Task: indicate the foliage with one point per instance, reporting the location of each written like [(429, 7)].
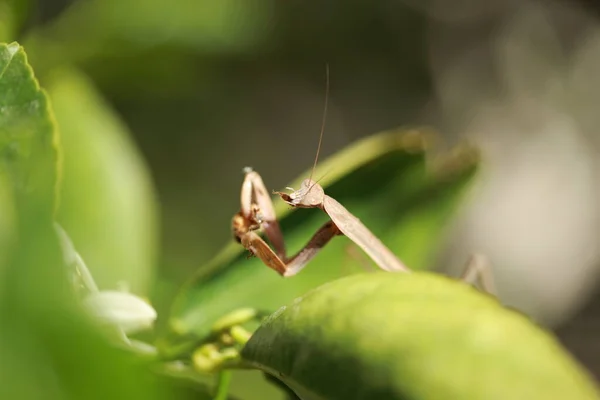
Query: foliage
[(67, 158), (417, 336), (46, 337)]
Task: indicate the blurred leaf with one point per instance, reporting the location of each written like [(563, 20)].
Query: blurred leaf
[(107, 199), (205, 24), (6, 21), (415, 336), (12, 16), (193, 385), (8, 225), (100, 28), (384, 181), (49, 348)]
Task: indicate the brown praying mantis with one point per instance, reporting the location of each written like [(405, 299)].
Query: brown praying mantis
[(257, 213)]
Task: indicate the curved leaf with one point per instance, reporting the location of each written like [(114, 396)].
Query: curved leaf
[(28, 145), (412, 336), (107, 200), (383, 180)]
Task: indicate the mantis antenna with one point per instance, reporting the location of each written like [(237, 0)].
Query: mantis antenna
[(323, 121)]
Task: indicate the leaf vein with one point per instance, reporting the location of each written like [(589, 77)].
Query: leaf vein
[(12, 56)]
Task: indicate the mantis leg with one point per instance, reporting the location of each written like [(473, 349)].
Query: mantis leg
[(257, 211), (257, 206), (289, 267), (478, 271)]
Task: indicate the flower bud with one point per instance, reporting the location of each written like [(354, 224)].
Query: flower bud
[(124, 310)]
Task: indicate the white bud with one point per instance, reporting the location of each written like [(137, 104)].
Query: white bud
[(124, 310)]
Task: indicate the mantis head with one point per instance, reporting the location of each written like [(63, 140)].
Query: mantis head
[(310, 195)]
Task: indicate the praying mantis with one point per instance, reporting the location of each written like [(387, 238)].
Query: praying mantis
[(257, 212)]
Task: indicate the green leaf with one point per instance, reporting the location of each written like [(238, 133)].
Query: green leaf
[(10, 138), (107, 199), (48, 346), (383, 180), (412, 336), (28, 155), (28, 172)]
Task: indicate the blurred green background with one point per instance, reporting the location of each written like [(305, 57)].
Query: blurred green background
[(195, 90)]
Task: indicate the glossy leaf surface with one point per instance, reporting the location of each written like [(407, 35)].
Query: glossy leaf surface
[(412, 336)]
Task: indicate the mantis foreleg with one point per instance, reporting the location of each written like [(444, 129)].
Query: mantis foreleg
[(257, 212)]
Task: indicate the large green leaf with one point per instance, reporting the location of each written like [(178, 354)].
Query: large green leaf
[(107, 200), (412, 336), (384, 180), (49, 348)]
